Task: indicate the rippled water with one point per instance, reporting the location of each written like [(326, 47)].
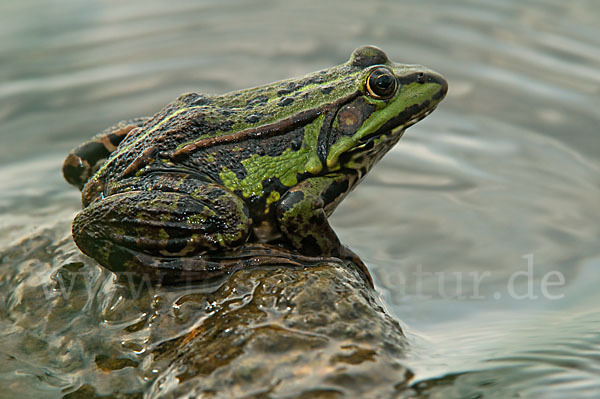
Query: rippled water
[(481, 227)]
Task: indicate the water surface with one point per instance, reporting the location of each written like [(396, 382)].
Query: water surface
[(481, 227)]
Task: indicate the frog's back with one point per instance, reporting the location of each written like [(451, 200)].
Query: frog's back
[(214, 135)]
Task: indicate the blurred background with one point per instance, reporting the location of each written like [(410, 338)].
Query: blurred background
[(481, 227)]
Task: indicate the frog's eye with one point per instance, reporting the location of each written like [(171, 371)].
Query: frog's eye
[(381, 83)]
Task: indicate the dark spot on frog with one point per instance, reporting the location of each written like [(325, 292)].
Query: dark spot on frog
[(310, 244), (197, 122), (273, 184), (252, 118), (201, 100), (175, 246), (290, 88), (93, 152), (315, 220), (257, 100), (335, 190), (290, 200), (73, 170), (240, 172), (292, 225), (296, 144), (284, 102), (314, 80), (327, 89), (207, 128), (117, 137), (359, 160)]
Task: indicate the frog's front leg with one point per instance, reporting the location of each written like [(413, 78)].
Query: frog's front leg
[(83, 161), (123, 229), (302, 216)]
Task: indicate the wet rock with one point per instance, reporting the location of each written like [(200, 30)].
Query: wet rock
[(317, 332), (269, 332)]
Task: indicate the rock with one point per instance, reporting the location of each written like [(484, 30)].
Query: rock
[(317, 332)]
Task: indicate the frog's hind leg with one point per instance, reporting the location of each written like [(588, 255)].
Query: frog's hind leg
[(83, 161), (130, 230)]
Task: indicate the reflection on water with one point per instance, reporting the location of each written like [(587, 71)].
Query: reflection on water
[(480, 227)]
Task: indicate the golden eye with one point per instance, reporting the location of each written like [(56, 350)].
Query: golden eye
[(381, 83)]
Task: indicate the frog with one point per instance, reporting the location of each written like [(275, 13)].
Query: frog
[(213, 183)]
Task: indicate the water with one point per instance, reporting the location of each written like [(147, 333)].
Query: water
[(481, 227)]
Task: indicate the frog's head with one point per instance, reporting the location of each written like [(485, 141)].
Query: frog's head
[(391, 98)]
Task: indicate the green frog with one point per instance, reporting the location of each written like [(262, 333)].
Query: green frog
[(213, 179)]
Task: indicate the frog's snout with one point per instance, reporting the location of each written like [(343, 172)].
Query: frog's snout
[(435, 78)]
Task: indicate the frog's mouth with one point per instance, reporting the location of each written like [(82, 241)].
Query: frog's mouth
[(393, 129)]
